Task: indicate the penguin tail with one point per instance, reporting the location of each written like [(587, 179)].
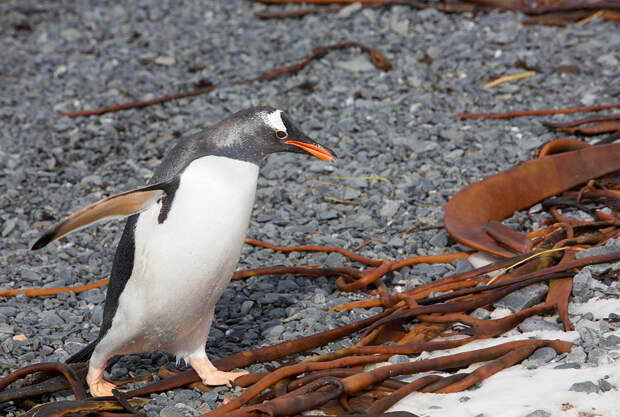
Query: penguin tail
[(84, 354)]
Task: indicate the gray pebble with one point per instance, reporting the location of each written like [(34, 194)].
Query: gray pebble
[(523, 298), (586, 386), (539, 413), (540, 357), (531, 324), (274, 332), (597, 251), (246, 306), (569, 365), (389, 209), (582, 284), (399, 359), (171, 412), (357, 64), (481, 313), (605, 386)]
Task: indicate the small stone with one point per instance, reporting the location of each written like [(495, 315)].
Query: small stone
[(433, 52), (588, 99), (588, 316), (328, 215), (51, 319), (523, 298), (597, 250), (274, 332), (60, 71), (402, 27), (319, 299), (183, 396), (399, 359), (605, 386), (587, 386), (539, 413), (453, 135), (396, 242), (570, 365), (576, 354), (608, 60), (164, 60), (481, 314), (70, 34), (9, 225), (170, 412), (20, 337), (246, 306), (5, 329), (440, 240), (612, 341), (540, 357), (599, 357), (500, 313), (390, 208), (534, 323), (588, 331), (582, 284), (347, 11), (119, 372), (210, 396), (351, 194), (357, 64), (30, 275), (536, 208)]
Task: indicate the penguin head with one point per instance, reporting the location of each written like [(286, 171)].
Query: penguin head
[(266, 130)]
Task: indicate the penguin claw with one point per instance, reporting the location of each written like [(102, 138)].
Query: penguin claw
[(101, 388), (221, 378), (210, 375)]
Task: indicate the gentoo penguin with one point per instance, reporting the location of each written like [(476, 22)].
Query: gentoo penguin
[(182, 241)]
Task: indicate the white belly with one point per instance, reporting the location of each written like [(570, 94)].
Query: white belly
[(182, 266)]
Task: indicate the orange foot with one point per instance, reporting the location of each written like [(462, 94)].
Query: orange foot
[(210, 375), (99, 387)]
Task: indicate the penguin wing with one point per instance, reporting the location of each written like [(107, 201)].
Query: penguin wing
[(120, 205)]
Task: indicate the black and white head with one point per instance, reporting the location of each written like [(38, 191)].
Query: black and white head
[(256, 132), (249, 135)]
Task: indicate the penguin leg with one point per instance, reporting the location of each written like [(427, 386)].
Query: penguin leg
[(210, 375), (99, 387)]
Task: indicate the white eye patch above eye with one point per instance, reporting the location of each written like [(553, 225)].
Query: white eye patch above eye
[(274, 120)]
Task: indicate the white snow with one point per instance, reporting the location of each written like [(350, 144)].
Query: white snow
[(517, 391)]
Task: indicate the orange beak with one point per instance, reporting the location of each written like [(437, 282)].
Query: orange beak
[(315, 150)]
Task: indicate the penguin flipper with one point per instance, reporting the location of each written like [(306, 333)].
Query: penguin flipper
[(120, 205)]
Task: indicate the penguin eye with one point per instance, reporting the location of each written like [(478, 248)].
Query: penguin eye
[(281, 134)]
